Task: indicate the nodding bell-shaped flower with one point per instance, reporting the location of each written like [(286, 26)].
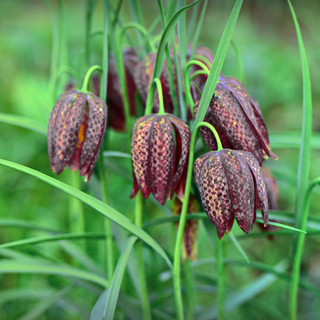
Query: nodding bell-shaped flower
[(159, 152), (77, 125), (228, 182), (238, 120), (143, 77)]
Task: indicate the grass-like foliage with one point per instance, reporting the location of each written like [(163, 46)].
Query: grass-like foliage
[(186, 104)]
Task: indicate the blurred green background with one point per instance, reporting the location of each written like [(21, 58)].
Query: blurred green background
[(266, 37)]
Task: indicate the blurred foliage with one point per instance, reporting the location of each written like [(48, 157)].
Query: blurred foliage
[(266, 37)]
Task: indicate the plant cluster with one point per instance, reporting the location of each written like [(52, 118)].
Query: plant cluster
[(160, 93)]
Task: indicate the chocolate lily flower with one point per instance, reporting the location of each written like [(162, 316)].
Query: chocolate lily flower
[(77, 125), (143, 77), (190, 234), (159, 152), (228, 182), (238, 120)]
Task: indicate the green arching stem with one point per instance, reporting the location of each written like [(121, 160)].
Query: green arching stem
[(182, 221), (204, 59), (299, 247), (198, 73), (146, 309), (198, 89), (239, 61), (88, 75), (187, 83), (160, 94), (143, 30)]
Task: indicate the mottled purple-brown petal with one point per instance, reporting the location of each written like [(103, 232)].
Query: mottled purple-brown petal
[(140, 153), (214, 192), (272, 189), (198, 165), (260, 185), (94, 134), (51, 127), (237, 191), (249, 196), (182, 152), (67, 127), (161, 158)]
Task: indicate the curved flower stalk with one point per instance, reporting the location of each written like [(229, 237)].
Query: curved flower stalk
[(158, 160), (238, 120), (143, 77), (228, 181), (190, 234), (76, 129)]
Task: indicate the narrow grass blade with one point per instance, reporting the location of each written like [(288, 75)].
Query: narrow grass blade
[(244, 295), (192, 22), (239, 60), (58, 237), (11, 266), (117, 279), (161, 50), (218, 62), (238, 246), (99, 309), (292, 140), (16, 223), (116, 154), (23, 122), (94, 203), (45, 304), (303, 172), (280, 225)]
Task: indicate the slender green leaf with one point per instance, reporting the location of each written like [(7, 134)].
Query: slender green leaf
[(218, 63), (116, 154), (117, 279), (11, 266), (303, 171), (192, 22), (45, 304), (24, 122), (238, 246), (239, 61), (161, 51), (249, 291), (292, 140), (96, 204), (66, 236), (17, 223), (99, 309)]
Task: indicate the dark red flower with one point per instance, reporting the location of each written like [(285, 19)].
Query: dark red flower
[(228, 182), (143, 76), (114, 96), (159, 152), (190, 234), (77, 125), (238, 120)]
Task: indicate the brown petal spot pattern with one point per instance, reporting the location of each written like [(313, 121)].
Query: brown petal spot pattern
[(140, 153), (214, 193), (162, 158), (260, 185)]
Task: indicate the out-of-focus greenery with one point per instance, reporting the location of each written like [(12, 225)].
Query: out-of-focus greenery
[(266, 37)]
